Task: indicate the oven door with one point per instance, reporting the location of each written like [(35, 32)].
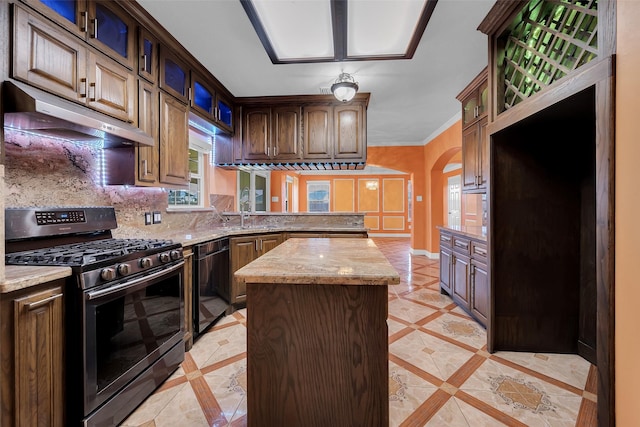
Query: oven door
[(127, 327)]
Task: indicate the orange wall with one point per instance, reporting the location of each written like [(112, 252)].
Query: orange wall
[(386, 212), (627, 285)]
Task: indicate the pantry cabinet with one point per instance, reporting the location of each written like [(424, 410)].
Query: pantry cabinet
[(243, 251), (32, 340), (464, 272), (475, 147)]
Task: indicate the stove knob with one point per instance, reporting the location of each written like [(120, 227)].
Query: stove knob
[(145, 262), (175, 254), (164, 257), (124, 269), (108, 274)]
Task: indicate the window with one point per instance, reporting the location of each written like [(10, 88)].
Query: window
[(194, 195), (254, 191), (318, 196)]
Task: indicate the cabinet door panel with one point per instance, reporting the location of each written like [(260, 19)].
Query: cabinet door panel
[(46, 57), (255, 135), (483, 152), (317, 132), (445, 269), (112, 31), (269, 242), (460, 285), (174, 75), (480, 291), (147, 56), (469, 158), (148, 122), (243, 251), (349, 132), (38, 359), (286, 132), (174, 141), (111, 88), (68, 13)]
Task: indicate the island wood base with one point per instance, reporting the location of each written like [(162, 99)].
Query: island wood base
[(317, 355)]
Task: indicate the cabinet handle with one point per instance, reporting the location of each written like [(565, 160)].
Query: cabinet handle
[(85, 21), (275, 151), (44, 301), (83, 93), (189, 96), (268, 151), (144, 63), (144, 165), (92, 90), (95, 28), (256, 242)]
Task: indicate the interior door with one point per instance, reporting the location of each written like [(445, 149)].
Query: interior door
[(453, 201)]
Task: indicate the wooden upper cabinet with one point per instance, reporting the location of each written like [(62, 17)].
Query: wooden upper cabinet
[(174, 141), (285, 135), (147, 157), (256, 132), (103, 24), (174, 75), (475, 147), (209, 103), (350, 131), (318, 132), (47, 57), (148, 47), (111, 88)]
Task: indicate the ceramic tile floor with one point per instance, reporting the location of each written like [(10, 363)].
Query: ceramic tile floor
[(440, 373)]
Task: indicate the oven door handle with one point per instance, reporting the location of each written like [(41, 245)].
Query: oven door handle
[(133, 283)]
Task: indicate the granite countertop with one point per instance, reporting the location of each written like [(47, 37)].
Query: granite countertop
[(19, 277), (347, 261), (474, 232), (193, 237)]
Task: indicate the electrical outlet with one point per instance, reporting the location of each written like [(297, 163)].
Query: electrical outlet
[(157, 217), (147, 218)]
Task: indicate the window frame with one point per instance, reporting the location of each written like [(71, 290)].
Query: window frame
[(328, 197)]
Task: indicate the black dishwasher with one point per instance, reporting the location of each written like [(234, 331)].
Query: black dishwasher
[(211, 281)]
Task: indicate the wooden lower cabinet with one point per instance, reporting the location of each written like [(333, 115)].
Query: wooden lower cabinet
[(243, 251), (464, 273), (304, 234), (187, 253), (32, 371)]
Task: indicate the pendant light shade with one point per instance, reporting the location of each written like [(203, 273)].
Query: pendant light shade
[(344, 88)]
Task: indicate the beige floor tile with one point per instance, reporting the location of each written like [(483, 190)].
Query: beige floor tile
[(229, 386), (406, 393), (449, 415), (409, 311), (461, 329)]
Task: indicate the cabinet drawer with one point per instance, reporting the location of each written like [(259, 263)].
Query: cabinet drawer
[(445, 239), (460, 244), (479, 251)]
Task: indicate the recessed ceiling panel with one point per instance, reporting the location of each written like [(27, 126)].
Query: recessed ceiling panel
[(382, 27), (297, 29)]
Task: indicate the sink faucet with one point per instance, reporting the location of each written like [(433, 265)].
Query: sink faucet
[(244, 214)]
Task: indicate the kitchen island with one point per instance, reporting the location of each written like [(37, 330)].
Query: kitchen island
[(317, 340)]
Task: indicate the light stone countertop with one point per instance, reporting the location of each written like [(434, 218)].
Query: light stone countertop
[(473, 232), (19, 277), (345, 261)]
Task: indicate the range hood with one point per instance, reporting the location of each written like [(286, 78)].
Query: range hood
[(28, 108)]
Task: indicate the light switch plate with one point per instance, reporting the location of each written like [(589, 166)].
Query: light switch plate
[(157, 217), (147, 218), (418, 198)]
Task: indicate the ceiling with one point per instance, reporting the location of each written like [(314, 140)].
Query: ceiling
[(412, 100)]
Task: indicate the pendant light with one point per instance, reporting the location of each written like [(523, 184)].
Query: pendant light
[(344, 88)]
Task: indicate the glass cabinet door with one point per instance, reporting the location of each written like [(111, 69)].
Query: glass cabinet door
[(174, 75), (225, 114), (109, 26), (147, 56), (202, 98), (71, 14)]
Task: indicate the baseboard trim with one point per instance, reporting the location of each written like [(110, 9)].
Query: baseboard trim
[(426, 253), (389, 235)]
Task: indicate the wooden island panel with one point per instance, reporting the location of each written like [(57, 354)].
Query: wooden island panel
[(317, 339)]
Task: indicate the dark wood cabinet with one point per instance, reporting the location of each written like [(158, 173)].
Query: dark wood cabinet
[(318, 132), (148, 47), (271, 133), (475, 152), (349, 124), (243, 251), (147, 157), (285, 137), (174, 141), (104, 25), (209, 103), (32, 375), (47, 57), (174, 74), (256, 133), (464, 273)]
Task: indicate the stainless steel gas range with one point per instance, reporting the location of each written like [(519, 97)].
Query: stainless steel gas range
[(124, 323)]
